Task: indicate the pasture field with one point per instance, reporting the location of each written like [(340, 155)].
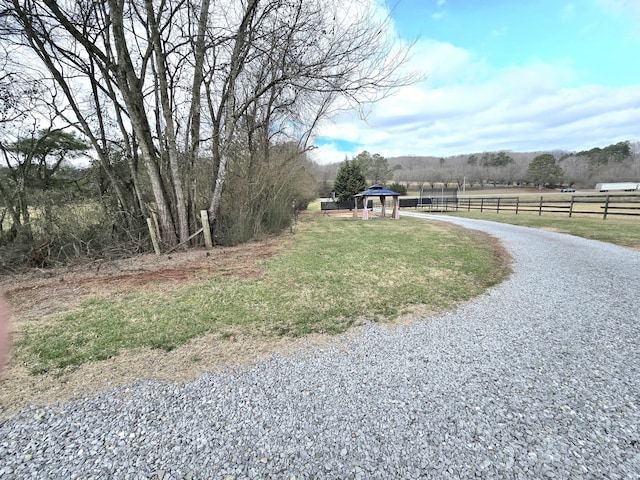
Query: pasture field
[(599, 205), (587, 212), (61, 217), (64, 234), (619, 230)]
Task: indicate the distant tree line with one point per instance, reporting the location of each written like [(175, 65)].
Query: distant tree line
[(617, 162), (355, 175)]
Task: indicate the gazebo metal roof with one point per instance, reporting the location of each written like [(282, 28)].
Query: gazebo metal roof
[(377, 189)]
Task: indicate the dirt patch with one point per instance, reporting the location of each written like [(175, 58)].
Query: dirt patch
[(39, 294), (44, 292)]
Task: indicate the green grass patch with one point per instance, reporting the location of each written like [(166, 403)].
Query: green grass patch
[(624, 231), (336, 273)]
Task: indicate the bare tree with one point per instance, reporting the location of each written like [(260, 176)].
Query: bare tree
[(83, 101), (21, 114), (172, 82)]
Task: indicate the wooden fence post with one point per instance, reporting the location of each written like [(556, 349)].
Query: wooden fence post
[(606, 208), (540, 207), (517, 204), (154, 238), (204, 216), (155, 222), (571, 206)]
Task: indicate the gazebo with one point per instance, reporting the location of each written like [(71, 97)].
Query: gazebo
[(378, 191)]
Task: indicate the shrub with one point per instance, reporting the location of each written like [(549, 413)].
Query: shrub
[(398, 188)]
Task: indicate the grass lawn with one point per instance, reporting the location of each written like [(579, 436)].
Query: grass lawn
[(337, 272), (623, 231)]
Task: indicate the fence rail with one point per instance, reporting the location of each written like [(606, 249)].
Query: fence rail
[(327, 206), (601, 205)]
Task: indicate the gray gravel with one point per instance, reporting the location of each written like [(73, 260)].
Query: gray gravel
[(539, 378)]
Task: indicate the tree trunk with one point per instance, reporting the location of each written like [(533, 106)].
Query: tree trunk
[(169, 133), (229, 103), (130, 87)]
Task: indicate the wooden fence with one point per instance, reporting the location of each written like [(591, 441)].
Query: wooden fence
[(601, 205), (327, 206)]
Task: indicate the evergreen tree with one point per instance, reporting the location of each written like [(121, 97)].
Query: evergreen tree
[(349, 180), (398, 188)]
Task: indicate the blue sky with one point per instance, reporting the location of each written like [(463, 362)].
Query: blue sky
[(520, 75)]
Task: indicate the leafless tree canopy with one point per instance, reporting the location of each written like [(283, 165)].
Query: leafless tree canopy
[(185, 93)]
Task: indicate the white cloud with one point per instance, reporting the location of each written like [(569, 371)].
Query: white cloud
[(442, 62), (332, 153), (524, 108), (441, 12), (464, 105)]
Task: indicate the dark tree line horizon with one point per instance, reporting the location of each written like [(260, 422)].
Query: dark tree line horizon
[(583, 169)]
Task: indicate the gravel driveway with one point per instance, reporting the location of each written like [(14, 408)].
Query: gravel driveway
[(539, 378)]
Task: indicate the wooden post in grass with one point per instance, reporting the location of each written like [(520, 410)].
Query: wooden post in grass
[(204, 216), (606, 208), (540, 207), (154, 238), (155, 223)]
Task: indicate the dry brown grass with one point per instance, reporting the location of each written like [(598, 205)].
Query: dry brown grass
[(36, 296)]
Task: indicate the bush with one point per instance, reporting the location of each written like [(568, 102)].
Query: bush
[(398, 188), (263, 199), (70, 233)]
